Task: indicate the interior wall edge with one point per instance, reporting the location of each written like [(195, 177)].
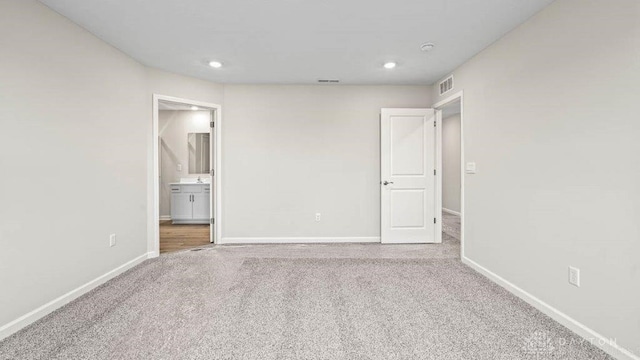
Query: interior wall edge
[(29, 318), (604, 343)]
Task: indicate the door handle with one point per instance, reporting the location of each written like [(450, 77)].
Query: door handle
[(385, 183)]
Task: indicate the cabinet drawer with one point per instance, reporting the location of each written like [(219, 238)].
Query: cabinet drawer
[(191, 188)]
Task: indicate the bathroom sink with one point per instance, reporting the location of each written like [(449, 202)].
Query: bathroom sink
[(203, 180)]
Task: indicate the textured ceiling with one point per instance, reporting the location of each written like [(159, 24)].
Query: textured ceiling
[(301, 41)]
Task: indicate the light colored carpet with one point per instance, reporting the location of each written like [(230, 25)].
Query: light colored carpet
[(451, 225), (300, 302)]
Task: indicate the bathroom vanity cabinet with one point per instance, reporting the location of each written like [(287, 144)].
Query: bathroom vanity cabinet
[(190, 203)]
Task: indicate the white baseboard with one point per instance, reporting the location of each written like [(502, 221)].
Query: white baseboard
[(165, 217), (451, 211), (606, 344), (33, 316), (298, 240)]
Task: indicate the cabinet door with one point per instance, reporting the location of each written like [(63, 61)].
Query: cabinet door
[(201, 206), (181, 206)]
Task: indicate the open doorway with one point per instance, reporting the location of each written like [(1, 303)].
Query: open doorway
[(452, 174), (186, 158)]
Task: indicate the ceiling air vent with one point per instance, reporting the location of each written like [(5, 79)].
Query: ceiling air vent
[(446, 85), (328, 81)]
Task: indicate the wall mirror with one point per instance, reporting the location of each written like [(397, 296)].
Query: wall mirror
[(198, 153)]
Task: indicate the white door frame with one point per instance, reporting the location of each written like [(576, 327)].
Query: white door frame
[(438, 183), (438, 106), (153, 244)]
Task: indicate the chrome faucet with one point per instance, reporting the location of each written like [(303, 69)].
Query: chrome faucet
[(199, 179)]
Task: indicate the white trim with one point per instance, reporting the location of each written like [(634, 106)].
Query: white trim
[(165, 217), (438, 182), (213, 151), (153, 244), (34, 315), (449, 211), (608, 346), (438, 105), (299, 240), (449, 99)]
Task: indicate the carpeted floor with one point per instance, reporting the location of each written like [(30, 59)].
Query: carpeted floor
[(351, 301), (451, 225)]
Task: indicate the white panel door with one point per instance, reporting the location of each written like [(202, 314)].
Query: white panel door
[(408, 186)]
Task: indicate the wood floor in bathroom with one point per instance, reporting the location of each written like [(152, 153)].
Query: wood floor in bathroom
[(182, 237)]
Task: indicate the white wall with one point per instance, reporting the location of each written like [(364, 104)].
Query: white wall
[(552, 120), (174, 127), (65, 99), (292, 151), (73, 157), (165, 83), (451, 163)]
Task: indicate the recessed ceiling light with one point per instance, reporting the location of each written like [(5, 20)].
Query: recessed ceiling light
[(389, 65), (194, 108), (427, 47), (215, 64)]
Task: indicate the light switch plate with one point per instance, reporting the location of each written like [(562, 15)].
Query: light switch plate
[(470, 168)]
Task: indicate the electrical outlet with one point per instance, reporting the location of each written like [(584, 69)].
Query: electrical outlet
[(318, 216), (112, 240), (574, 276)]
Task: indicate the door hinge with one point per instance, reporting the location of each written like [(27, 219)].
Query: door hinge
[(434, 172), (212, 124), (212, 172), (213, 221), (434, 123), (434, 220)]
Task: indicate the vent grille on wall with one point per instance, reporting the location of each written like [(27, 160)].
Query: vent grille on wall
[(446, 85), (325, 81)]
